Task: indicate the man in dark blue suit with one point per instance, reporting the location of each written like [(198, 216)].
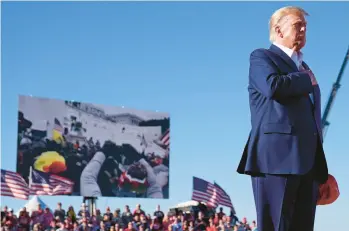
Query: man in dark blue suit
[(284, 154)]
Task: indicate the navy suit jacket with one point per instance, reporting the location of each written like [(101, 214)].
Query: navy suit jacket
[(286, 135)]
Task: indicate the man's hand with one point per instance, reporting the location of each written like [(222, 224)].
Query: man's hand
[(110, 148), (312, 77)]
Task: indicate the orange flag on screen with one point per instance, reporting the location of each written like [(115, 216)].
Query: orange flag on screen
[(328, 192)]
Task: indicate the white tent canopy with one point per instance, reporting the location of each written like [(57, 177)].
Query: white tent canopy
[(187, 204), (32, 205)]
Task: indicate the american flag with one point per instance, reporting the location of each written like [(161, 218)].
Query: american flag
[(49, 184), (165, 138), (204, 191), (13, 185), (57, 125), (224, 198)]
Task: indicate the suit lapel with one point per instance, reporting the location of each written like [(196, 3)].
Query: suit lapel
[(315, 88), (317, 104), (284, 57)]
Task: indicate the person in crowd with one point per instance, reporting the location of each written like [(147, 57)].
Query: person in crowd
[(156, 224), (177, 226), (10, 220), (37, 215), (116, 217), (117, 227), (227, 223), (71, 214), (221, 214), (83, 210), (24, 220), (159, 214), (138, 211), (191, 225), (59, 212), (127, 215), (130, 227), (107, 221), (3, 214), (211, 226), (253, 226), (108, 213), (144, 222), (47, 218)]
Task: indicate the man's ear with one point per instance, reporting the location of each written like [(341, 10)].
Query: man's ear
[(278, 31)]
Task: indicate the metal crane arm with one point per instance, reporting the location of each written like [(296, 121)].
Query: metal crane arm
[(333, 94)]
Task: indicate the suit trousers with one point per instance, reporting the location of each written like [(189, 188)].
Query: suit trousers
[(285, 202)]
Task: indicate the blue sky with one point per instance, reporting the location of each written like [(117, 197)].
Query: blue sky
[(188, 59)]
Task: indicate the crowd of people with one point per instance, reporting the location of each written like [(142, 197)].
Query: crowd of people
[(43, 219), (128, 169)]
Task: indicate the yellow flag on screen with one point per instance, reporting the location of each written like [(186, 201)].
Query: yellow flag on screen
[(57, 136)]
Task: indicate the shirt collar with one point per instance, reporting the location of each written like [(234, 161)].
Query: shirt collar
[(297, 57)]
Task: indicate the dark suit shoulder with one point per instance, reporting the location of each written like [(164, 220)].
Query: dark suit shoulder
[(265, 55), (261, 53)]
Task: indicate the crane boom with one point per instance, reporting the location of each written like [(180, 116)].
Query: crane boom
[(333, 94)]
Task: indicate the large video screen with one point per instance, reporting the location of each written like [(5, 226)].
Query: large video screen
[(84, 149)]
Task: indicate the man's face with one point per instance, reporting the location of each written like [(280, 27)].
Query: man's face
[(292, 31)]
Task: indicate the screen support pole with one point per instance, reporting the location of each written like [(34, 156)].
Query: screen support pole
[(91, 203)]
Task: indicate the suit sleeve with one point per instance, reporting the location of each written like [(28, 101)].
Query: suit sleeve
[(264, 77), (154, 190), (88, 180)]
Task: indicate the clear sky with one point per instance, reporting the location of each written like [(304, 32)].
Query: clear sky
[(187, 59)]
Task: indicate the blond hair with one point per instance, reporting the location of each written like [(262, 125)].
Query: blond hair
[(278, 15)]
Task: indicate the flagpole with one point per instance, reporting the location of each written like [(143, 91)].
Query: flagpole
[(30, 178)]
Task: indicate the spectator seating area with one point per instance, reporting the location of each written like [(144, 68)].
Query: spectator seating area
[(80, 219)]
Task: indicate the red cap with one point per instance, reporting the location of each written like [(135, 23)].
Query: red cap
[(328, 192)]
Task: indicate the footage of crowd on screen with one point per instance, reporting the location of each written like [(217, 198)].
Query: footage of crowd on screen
[(32, 143), (138, 220)]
